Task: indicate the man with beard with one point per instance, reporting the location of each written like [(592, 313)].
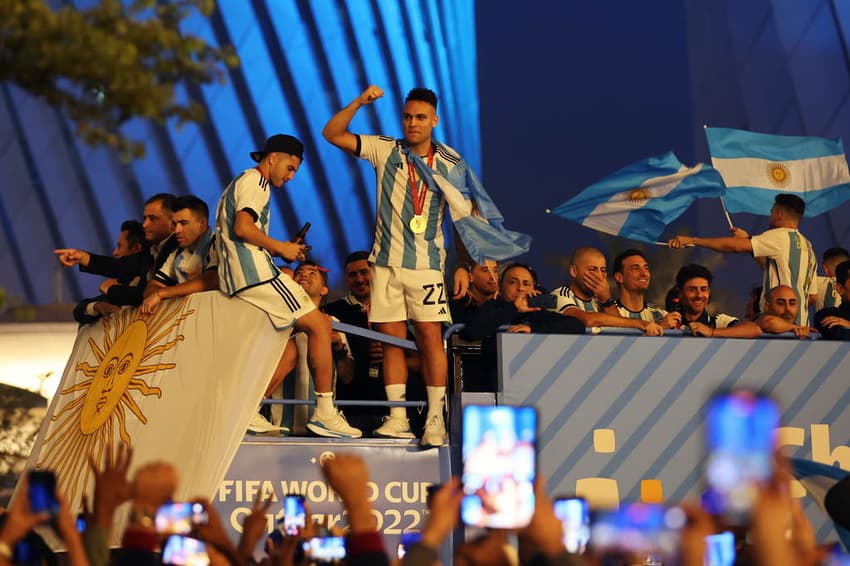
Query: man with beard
[(632, 274), (781, 307), (694, 284), (588, 296), (483, 285)]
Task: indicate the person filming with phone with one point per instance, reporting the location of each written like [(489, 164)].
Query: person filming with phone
[(520, 306)]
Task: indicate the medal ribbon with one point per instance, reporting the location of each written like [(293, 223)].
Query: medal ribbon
[(418, 196)]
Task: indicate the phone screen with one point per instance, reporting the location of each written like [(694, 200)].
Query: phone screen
[(185, 551), (643, 532), (499, 466), (720, 549), (42, 492), (294, 514), (178, 518), (405, 541), (325, 549), (544, 301), (741, 438), (574, 514), (27, 553)]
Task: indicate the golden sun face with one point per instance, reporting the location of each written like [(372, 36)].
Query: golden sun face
[(778, 175), (87, 423), (638, 196)]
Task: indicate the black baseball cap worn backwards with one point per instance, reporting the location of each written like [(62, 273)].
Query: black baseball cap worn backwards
[(282, 143)]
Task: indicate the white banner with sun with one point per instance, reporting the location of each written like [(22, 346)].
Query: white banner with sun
[(179, 386)]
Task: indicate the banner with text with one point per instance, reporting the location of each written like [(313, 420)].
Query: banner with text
[(399, 475)]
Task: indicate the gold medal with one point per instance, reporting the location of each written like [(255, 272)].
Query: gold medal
[(418, 224)]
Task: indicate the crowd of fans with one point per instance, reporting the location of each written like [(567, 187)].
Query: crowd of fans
[(777, 534)]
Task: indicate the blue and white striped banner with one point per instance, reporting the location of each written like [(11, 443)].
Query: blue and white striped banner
[(621, 416)]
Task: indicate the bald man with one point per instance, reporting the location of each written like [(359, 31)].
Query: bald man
[(588, 296), (780, 310)]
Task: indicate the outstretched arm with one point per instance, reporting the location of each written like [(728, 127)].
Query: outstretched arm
[(739, 242), (336, 130)]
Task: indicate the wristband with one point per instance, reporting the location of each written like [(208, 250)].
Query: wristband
[(608, 303)]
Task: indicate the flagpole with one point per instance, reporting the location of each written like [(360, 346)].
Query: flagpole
[(726, 212), (722, 200)]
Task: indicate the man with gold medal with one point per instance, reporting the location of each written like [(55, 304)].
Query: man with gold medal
[(416, 177)]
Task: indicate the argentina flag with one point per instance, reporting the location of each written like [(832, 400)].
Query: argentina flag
[(477, 219), (640, 200), (818, 479), (757, 167)]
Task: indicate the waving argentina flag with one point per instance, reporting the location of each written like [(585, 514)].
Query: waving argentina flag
[(756, 167), (640, 200), (477, 219)]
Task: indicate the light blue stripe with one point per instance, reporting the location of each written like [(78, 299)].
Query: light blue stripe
[(642, 431), (621, 402), (814, 383), (431, 236), (385, 209), (782, 370), (794, 260), (525, 353), (688, 483), (838, 408), (585, 390), (664, 459), (728, 143), (829, 296), (557, 370), (759, 200)]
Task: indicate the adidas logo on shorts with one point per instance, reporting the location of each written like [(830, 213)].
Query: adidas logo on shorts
[(442, 310)]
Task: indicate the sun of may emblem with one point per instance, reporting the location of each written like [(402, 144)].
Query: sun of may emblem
[(778, 174), (638, 196), (98, 403)]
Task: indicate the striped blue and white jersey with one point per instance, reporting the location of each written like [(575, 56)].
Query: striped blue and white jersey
[(824, 289), (789, 260), (719, 320), (649, 312), (395, 244), (566, 298), (183, 265), (243, 265)]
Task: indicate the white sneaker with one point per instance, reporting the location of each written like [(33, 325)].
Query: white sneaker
[(333, 427), (435, 433), (260, 425), (394, 427)]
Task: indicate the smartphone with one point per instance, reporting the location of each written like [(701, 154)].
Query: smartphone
[(574, 514), (545, 301), (294, 514), (499, 458), (405, 541), (184, 551), (42, 492), (302, 233), (644, 533), (325, 550), (740, 432), (430, 491), (178, 518), (27, 553), (720, 549), (837, 557), (82, 523)]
